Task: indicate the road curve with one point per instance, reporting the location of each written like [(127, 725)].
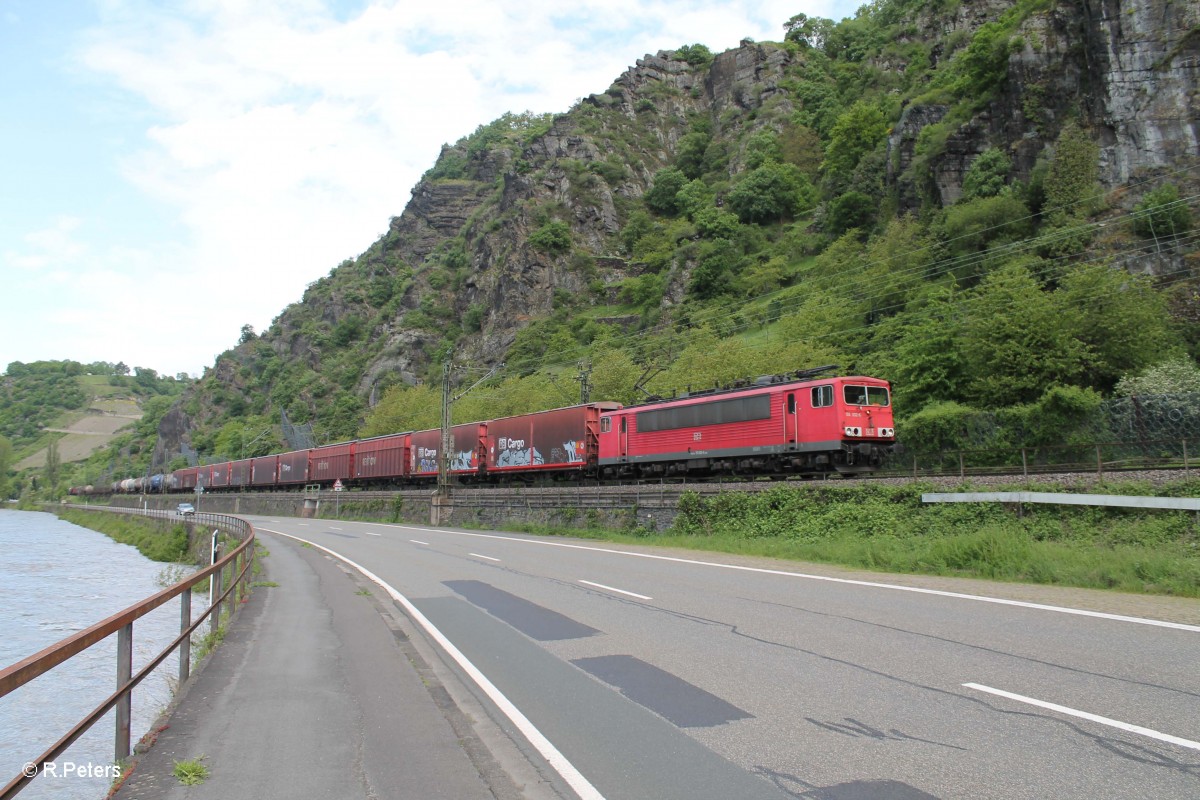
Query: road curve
[(660, 674)]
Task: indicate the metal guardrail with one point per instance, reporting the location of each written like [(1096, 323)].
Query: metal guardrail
[(121, 623), (1052, 498)]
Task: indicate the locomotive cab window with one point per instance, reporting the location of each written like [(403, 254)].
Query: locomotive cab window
[(605, 424), (822, 396), (791, 404), (865, 396)]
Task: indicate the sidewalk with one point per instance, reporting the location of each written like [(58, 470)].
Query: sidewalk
[(315, 693)]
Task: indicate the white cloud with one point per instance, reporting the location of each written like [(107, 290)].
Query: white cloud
[(49, 247)]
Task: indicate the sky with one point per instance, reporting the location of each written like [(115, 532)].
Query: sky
[(172, 171)]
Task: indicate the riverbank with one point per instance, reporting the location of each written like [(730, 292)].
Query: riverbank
[(157, 539)]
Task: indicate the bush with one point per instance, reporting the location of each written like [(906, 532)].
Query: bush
[(554, 238), (661, 196), (1162, 214), (987, 175), (851, 210), (770, 193), (945, 426)]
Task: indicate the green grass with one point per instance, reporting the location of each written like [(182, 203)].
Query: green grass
[(888, 529), (209, 642), (151, 538), (191, 771)]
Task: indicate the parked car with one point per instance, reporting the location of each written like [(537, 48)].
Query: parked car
[(185, 509)]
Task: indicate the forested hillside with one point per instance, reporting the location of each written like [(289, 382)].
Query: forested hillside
[(56, 413), (991, 205)]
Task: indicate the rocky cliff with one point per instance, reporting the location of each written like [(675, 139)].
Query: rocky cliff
[(532, 215)]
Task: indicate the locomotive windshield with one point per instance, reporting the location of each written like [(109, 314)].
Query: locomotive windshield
[(866, 396)]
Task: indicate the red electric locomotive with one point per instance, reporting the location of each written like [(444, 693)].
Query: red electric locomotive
[(778, 424)]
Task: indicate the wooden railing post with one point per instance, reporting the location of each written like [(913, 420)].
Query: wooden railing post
[(185, 647), (214, 621), (125, 704)]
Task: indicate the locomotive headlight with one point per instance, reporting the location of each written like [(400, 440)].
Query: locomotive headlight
[(887, 431), (853, 431)]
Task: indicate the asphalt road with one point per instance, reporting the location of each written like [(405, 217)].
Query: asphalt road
[(679, 676)]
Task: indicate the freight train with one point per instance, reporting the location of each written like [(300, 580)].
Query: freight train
[(797, 424)]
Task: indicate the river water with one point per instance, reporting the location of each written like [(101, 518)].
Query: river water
[(56, 579)]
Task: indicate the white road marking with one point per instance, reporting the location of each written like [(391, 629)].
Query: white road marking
[(1125, 726), (368, 533), (477, 555), (553, 756), (618, 591), (418, 541), (334, 529), (848, 581)]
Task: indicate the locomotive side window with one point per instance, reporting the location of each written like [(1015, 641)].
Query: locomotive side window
[(791, 404), (624, 424), (605, 424), (742, 409), (866, 396), (822, 396)]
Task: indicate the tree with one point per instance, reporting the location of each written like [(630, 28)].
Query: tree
[(613, 375), (145, 377), (1017, 340), (247, 334), (1119, 317), (694, 197), (983, 65), (1161, 214), (6, 457), (689, 153), (800, 145), (716, 223), (770, 193), (404, 408), (858, 131), (1177, 375), (1072, 176), (896, 262), (921, 352), (696, 55), (988, 174), (666, 184), (719, 260), (763, 146), (806, 31), (52, 465), (554, 238), (849, 211)]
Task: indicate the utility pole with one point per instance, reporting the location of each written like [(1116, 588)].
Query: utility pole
[(447, 444), (585, 385)]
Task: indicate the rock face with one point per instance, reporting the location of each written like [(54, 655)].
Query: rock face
[(1146, 57), (1128, 70), (479, 252), (503, 197)]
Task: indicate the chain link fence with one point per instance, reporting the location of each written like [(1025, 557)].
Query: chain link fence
[(1124, 433)]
